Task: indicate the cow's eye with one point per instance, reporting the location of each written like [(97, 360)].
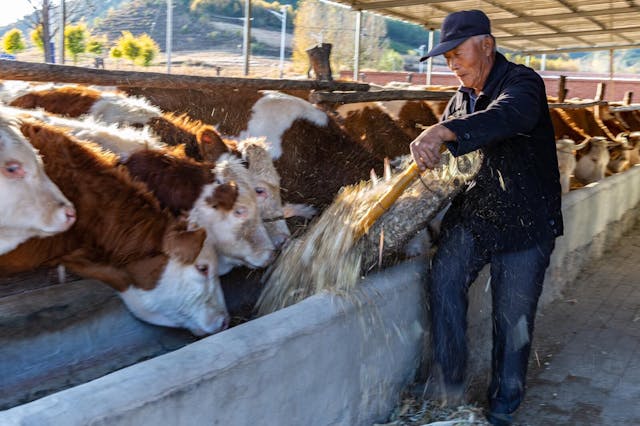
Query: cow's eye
[(260, 190), (13, 169), (203, 269), (240, 212)]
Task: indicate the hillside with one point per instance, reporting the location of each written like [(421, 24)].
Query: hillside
[(191, 30)]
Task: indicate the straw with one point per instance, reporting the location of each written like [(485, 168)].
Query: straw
[(345, 240)]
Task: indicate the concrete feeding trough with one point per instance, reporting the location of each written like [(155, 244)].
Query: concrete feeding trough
[(325, 360)]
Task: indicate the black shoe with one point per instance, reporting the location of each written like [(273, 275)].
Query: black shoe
[(499, 419)]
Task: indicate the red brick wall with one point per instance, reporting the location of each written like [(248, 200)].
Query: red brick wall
[(579, 85)]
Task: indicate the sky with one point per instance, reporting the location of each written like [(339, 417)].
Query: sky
[(12, 10)]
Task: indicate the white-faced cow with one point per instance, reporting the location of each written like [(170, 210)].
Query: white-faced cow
[(123, 237), (592, 165), (31, 205), (566, 151)]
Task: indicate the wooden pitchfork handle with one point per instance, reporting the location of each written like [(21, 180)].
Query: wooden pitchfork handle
[(386, 201)]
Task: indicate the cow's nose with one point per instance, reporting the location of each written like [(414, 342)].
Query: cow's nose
[(278, 240), (70, 213)]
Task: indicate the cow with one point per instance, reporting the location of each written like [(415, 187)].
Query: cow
[(565, 127), (198, 140), (411, 116), (592, 165), (566, 151), (76, 101), (185, 185), (313, 154), (374, 129), (319, 157), (31, 204), (634, 154), (157, 263), (620, 153)]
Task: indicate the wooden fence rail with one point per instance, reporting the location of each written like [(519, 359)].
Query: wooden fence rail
[(30, 71)]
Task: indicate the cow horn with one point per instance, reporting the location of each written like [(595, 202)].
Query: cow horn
[(582, 144)]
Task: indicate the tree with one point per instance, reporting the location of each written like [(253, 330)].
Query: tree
[(75, 40), (96, 45), (13, 41), (318, 22), (149, 50), (115, 53), (129, 46), (36, 37)]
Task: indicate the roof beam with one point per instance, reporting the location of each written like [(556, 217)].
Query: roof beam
[(570, 15), (580, 49), (520, 15), (387, 4), (614, 31)]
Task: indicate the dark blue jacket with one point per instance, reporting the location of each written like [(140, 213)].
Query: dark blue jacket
[(514, 201)]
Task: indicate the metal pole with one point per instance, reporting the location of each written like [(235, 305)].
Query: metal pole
[(62, 25), (543, 62), (421, 53), (430, 60), (169, 33), (246, 39), (611, 65), (356, 55), (283, 38)]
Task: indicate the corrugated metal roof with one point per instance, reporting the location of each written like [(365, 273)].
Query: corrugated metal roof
[(531, 26)]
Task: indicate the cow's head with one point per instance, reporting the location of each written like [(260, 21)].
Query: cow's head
[(177, 288), (32, 205), (266, 183), (228, 210)]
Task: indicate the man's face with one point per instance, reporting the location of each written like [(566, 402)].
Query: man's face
[(471, 61)]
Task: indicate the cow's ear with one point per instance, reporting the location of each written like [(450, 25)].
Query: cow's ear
[(224, 196), (211, 144), (183, 243)]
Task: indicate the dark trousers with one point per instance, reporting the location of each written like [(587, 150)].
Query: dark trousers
[(516, 284)]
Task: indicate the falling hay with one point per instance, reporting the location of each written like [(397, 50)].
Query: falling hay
[(331, 256)]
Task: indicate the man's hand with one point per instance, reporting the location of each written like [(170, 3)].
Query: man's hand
[(425, 149)]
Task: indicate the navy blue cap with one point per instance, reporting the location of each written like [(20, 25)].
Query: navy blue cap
[(457, 27)]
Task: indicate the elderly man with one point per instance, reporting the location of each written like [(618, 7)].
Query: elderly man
[(509, 216)]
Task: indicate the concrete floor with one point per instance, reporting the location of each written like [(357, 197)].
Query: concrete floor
[(585, 364)]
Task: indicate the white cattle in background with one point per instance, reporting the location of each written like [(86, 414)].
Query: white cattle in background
[(566, 151), (591, 166)]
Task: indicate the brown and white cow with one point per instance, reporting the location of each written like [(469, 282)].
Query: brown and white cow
[(76, 101), (186, 186), (374, 129), (313, 155), (620, 153), (156, 262), (634, 154), (31, 204), (200, 141)]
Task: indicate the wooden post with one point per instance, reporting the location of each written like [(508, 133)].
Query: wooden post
[(562, 91), (628, 97), (319, 61), (600, 91)]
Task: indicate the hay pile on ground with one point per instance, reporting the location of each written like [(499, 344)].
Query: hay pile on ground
[(330, 256), (418, 412)]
